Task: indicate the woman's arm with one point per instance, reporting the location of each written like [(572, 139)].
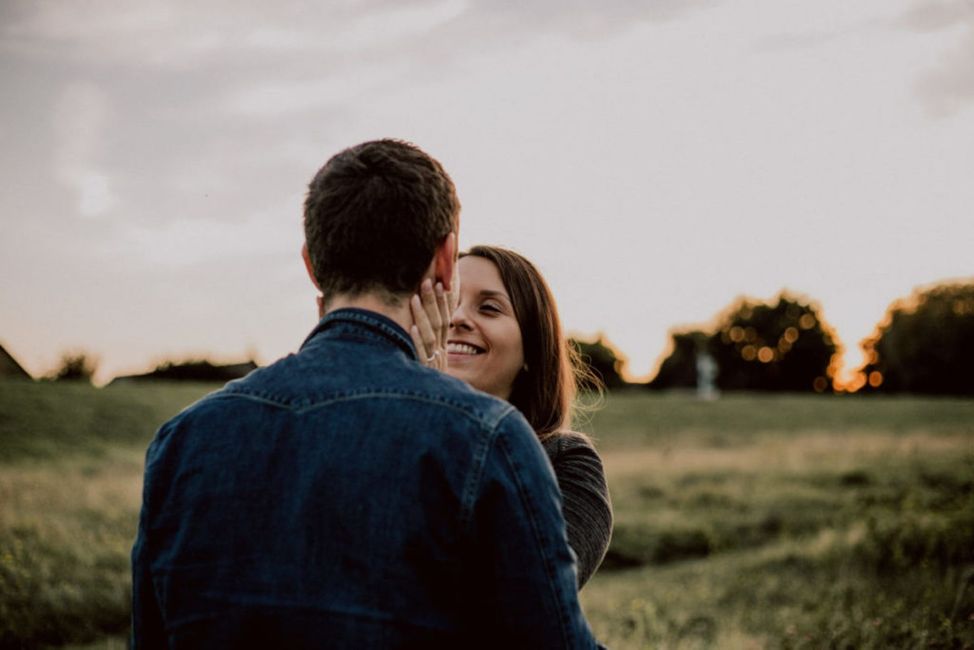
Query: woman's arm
[(585, 498)]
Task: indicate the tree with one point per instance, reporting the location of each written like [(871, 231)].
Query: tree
[(192, 370), (75, 366), (679, 369), (602, 360), (199, 370), (925, 344), (781, 346)]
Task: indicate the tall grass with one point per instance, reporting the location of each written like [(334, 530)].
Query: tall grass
[(71, 460), (794, 522), (44, 421)]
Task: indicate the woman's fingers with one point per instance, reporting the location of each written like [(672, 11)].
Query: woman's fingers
[(431, 306), (418, 343), (443, 303), (422, 321), (428, 347), (422, 350), (431, 318), (452, 301)]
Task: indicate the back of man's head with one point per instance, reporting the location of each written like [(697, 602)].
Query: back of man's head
[(374, 216)]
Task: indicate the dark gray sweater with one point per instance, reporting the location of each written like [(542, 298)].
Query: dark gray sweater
[(585, 498)]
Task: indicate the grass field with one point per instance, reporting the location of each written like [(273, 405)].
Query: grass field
[(787, 522), (749, 522)]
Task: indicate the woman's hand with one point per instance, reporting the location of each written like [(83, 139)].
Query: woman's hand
[(431, 312)]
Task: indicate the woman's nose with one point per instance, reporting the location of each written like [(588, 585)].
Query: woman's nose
[(459, 319)]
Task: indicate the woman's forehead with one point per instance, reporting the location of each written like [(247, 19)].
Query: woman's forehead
[(481, 276), (477, 270)]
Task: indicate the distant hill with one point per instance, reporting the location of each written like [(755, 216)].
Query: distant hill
[(191, 371), (9, 368)]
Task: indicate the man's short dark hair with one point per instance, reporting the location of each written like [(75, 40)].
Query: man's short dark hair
[(373, 218)]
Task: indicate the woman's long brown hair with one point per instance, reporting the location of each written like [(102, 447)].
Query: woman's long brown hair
[(545, 390)]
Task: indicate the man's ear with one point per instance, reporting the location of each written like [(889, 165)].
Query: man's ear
[(307, 265), (445, 261)]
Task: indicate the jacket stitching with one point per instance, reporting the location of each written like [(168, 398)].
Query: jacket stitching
[(484, 419), (532, 517), (472, 485)]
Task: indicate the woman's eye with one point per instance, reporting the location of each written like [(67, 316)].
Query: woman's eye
[(487, 307)]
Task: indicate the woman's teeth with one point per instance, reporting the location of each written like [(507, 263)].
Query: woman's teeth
[(461, 348)]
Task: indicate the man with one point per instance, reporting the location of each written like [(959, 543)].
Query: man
[(347, 496)]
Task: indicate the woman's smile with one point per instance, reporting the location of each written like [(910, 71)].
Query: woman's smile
[(461, 349)]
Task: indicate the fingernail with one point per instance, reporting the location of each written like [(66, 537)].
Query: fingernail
[(439, 288), (427, 285)]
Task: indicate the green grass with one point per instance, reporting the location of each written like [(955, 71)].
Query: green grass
[(750, 522), (71, 460), (787, 521), (44, 421)]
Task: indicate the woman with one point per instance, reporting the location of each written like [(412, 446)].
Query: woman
[(504, 338)]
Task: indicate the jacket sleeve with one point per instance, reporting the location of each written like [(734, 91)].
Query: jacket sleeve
[(529, 580), (147, 625), (147, 628), (585, 499)]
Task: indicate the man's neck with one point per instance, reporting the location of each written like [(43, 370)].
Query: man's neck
[(372, 302)]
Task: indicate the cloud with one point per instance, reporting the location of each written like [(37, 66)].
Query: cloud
[(810, 38), (205, 106), (188, 242), (937, 14), (794, 41), (96, 196), (80, 120), (187, 34), (90, 30), (182, 34), (400, 21), (274, 98), (948, 87), (259, 61), (583, 17)]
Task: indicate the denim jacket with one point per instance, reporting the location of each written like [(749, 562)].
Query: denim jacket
[(348, 497)]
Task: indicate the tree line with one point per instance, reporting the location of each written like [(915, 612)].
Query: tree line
[(924, 344)]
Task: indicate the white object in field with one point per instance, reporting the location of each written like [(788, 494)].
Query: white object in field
[(706, 374)]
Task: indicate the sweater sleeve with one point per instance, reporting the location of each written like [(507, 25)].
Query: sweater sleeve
[(585, 499)]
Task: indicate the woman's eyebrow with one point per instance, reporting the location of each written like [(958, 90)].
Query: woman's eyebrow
[(489, 293)]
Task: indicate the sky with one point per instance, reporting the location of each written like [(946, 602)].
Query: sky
[(656, 159)]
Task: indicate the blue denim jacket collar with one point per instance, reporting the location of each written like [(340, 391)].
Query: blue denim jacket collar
[(380, 327)]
